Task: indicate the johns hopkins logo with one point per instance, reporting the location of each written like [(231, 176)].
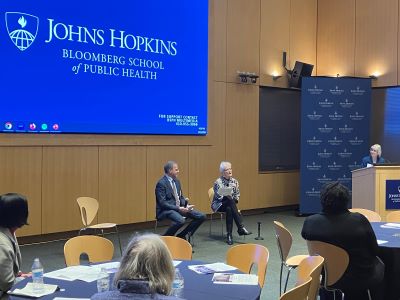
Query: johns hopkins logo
[(22, 29)]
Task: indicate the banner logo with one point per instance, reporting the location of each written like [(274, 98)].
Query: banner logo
[(22, 29)]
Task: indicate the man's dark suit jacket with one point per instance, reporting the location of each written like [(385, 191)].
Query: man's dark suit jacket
[(165, 196)]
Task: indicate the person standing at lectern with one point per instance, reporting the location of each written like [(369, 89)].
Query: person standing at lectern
[(226, 196), (172, 205), (374, 157)]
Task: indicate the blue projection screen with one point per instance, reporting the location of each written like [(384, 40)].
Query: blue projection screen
[(128, 67)]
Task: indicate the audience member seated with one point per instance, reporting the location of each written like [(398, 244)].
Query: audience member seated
[(226, 201), (13, 215), (146, 271), (352, 232)]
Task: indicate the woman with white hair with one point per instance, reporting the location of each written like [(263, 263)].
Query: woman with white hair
[(374, 157), (146, 271), (226, 195)]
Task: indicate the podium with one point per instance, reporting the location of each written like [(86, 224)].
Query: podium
[(369, 187)]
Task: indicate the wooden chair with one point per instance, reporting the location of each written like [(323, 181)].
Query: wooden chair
[(310, 267), (393, 216), (284, 240), (221, 214), (88, 208), (245, 256), (369, 214), (179, 248), (97, 248), (299, 292), (336, 261)]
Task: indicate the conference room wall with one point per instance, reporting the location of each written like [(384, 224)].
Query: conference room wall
[(121, 170), (363, 34)]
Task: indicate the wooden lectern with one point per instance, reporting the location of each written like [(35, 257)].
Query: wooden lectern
[(369, 187)]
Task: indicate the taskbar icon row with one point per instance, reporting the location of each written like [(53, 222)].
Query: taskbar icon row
[(30, 127)]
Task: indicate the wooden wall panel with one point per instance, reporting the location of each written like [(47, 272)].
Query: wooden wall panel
[(274, 39), (68, 173), (156, 159), (278, 189), (303, 32), (21, 170), (217, 38), (336, 37), (122, 189), (242, 139), (243, 37), (376, 40)]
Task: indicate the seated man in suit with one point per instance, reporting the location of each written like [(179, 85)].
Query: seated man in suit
[(173, 206)]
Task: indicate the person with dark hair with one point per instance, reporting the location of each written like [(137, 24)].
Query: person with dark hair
[(352, 232), (146, 271), (374, 157), (172, 205), (226, 201), (13, 215)]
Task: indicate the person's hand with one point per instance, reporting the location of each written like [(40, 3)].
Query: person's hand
[(24, 275), (190, 206), (183, 210)]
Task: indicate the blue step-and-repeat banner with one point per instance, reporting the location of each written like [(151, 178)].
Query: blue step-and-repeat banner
[(334, 133)]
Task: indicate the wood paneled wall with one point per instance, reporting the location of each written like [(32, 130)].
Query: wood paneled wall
[(359, 38), (121, 170)]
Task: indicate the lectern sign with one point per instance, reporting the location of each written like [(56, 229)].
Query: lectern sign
[(392, 194)]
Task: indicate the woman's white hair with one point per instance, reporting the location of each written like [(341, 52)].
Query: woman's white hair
[(148, 258), (223, 166), (377, 148)]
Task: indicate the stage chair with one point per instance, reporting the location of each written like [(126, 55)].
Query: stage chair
[(179, 248), (393, 216), (245, 256), (221, 214), (97, 248), (369, 214), (284, 240), (299, 292), (310, 267), (88, 208)]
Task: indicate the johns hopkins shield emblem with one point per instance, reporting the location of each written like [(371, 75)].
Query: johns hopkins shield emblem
[(22, 29)]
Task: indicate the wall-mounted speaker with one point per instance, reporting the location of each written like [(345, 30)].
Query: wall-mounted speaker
[(300, 70)]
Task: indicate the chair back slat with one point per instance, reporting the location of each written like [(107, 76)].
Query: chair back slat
[(299, 292), (372, 216), (88, 208), (284, 239), (310, 267), (179, 248)]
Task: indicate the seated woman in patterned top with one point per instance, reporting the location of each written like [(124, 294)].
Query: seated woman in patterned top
[(226, 196)]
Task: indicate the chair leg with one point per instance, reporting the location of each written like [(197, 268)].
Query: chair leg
[(287, 278), (155, 226), (280, 280), (369, 295), (119, 240), (222, 225), (211, 219)]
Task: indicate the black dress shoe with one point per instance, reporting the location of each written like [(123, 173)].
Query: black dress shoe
[(229, 239), (243, 231)]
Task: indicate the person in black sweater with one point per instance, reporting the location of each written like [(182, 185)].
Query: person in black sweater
[(352, 232)]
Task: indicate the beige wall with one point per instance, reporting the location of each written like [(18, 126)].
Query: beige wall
[(121, 171)]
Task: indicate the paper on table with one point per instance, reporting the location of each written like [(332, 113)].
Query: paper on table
[(391, 225), (225, 191), (29, 292), (380, 242), (176, 262), (66, 298), (211, 268), (110, 267), (229, 278), (84, 273)]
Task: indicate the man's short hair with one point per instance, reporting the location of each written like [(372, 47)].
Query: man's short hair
[(335, 197), (13, 210), (168, 166)]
